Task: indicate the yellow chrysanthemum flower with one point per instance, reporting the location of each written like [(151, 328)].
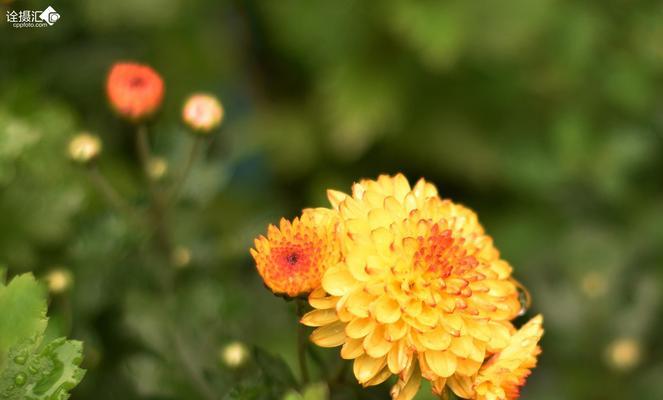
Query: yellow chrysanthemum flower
[(504, 374), (293, 257), (420, 290)]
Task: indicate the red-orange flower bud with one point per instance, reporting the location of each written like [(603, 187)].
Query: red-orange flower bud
[(135, 91)]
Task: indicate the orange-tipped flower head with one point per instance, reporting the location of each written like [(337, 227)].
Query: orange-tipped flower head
[(202, 113), (135, 91), (293, 257)]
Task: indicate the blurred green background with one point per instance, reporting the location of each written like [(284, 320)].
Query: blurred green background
[(545, 116)]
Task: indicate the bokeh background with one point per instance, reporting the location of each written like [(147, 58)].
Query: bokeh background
[(545, 116)]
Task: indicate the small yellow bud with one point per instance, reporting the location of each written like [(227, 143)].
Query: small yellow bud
[(234, 354), (624, 353), (157, 168), (202, 113), (181, 256), (594, 284), (84, 147), (59, 280)]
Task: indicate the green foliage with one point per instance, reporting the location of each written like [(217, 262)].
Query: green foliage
[(270, 379), (32, 368), (23, 305), (314, 391)]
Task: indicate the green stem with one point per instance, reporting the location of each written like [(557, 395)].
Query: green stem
[(107, 190), (158, 208), (181, 179), (302, 343), (158, 203), (341, 372), (189, 363)]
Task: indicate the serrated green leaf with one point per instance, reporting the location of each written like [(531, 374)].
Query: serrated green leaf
[(30, 369), (23, 316), (45, 372)]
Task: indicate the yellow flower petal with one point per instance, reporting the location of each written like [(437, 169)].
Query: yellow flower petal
[(331, 335), (428, 316), (386, 310), (319, 299), (461, 386), (379, 218), (467, 367), (335, 197), (499, 337), (337, 281), (462, 346), (352, 349), (438, 386), (396, 331), (443, 363), (407, 387), (397, 359), (366, 367), (358, 302), (436, 339), (401, 186), (375, 344), (319, 317), (358, 328), (379, 378)]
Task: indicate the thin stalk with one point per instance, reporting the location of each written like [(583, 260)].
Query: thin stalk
[(158, 203), (158, 207), (184, 174), (302, 343), (189, 364), (341, 372), (107, 190)]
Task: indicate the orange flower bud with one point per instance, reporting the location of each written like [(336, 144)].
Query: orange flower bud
[(135, 91), (293, 257)]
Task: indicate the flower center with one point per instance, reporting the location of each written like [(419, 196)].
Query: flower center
[(136, 81), (442, 254), (292, 258)]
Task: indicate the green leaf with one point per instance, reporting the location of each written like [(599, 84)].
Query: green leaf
[(45, 372), (270, 378), (23, 316), (31, 369)]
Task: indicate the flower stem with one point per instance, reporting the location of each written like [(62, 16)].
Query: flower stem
[(302, 343), (158, 207), (107, 190), (158, 204), (181, 179)]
